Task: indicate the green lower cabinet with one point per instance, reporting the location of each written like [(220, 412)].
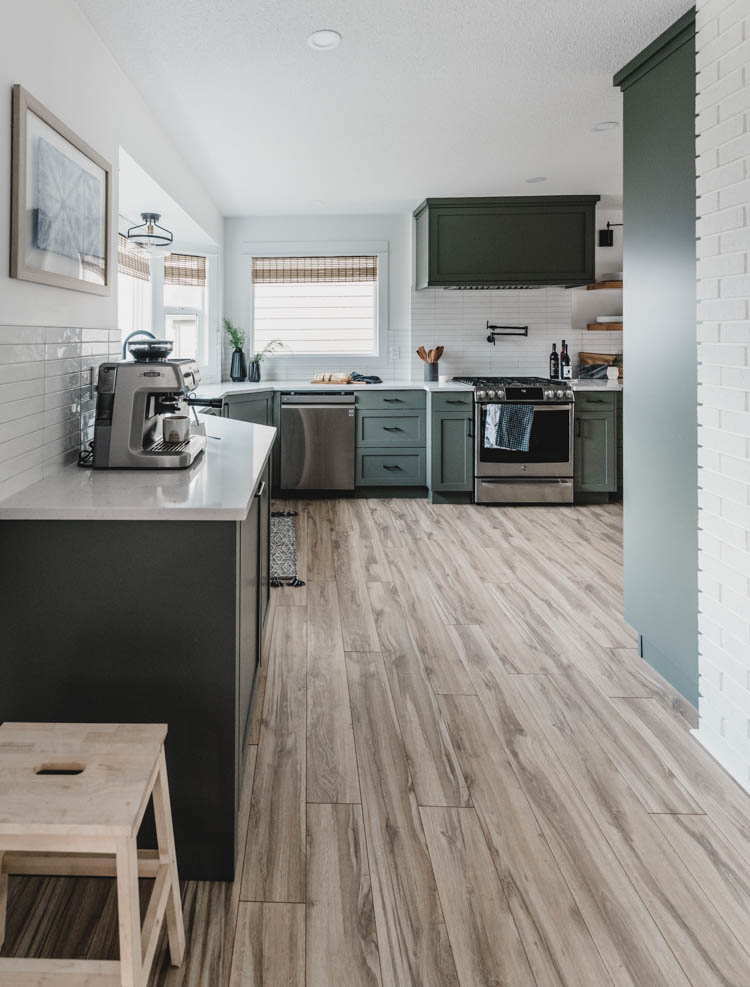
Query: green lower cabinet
[(451, 452), (595, 451), (254, 408), (390, 467)]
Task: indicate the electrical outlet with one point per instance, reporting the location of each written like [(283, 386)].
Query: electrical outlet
[(395, 352)]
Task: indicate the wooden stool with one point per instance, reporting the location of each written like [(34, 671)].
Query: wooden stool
[(72, 797)]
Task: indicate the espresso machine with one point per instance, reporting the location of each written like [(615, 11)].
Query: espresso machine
[(133, 398)]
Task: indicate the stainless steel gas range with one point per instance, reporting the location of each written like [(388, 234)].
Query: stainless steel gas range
[(544, 473)]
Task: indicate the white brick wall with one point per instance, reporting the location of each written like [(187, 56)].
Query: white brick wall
[(723, 210)]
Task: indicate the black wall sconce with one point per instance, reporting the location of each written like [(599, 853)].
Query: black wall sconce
[(505, 331), (607, 237)]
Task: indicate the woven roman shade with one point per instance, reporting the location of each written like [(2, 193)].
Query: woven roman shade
[(187, 269), (131, 263), (313, 270)]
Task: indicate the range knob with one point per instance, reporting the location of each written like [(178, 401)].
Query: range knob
[(549, 394), (481, 395), (491, 395), (501, 395), (560, 394)]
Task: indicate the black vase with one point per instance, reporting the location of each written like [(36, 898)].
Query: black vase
[(254, 375), (238, 370)]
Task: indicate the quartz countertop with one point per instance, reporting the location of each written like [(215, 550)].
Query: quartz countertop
[(219, 486), (227, 388)]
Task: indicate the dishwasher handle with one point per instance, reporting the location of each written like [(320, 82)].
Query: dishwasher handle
[(319, 407)]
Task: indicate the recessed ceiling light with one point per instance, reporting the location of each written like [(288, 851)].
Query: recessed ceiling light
[(323, 40), (536, 178), (606, 125)]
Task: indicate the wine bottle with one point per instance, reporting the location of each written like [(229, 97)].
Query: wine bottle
[(554, 363), (566, 368)]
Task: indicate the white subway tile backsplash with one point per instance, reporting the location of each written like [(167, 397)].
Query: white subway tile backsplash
[(45, 404)]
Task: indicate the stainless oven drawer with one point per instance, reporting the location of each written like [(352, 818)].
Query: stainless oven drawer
[(529, 491), (550, 452)]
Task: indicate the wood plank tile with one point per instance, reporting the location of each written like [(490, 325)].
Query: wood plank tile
[(357, 625), (625, 934), (342, 944), (393, 631), (331, 759), (320, 566), (413, 942), (692, 927), (440, 658), (275, 860), (270, 947), (485, 941), (685, 714), (374, 562), (648, 776), (553, 931), (433, 764), (205, 912), (727, 804)]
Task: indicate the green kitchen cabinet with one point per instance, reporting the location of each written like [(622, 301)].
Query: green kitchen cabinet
[(256, 407), (451, 452), (506, 240), (595, 453)]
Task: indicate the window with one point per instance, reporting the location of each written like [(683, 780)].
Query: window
[(316, 305), (133, 290), (185, 304)]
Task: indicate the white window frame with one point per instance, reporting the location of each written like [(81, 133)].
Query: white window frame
[(209, 352), (326, 248)]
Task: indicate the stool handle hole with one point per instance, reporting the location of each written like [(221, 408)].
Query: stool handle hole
[(63, 768)]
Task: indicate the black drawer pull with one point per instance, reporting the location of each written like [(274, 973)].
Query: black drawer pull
[(393, 428), (393, 400), (455, 401), (391, 467), (595, 401)]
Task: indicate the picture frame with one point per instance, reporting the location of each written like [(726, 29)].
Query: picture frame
[(60, 203)]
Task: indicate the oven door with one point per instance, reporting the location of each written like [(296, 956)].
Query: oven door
[(550, 446)]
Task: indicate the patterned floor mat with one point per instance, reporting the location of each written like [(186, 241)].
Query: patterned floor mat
[(284, 550)]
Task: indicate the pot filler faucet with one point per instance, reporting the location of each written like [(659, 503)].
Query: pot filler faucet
[(130, 335)]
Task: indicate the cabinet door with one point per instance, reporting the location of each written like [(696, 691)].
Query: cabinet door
[(595, 451), (452, 452), (249, 408), (265, 547), (248, 602)]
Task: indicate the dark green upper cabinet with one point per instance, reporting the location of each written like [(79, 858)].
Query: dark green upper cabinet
[(513, 240)]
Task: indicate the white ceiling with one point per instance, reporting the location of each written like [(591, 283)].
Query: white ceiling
[(422, 97)]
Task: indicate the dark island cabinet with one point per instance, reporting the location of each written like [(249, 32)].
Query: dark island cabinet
[(255, 407), (505, 241), (154, 621)]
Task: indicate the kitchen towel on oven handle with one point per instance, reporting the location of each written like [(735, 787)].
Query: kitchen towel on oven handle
[(508, 426)]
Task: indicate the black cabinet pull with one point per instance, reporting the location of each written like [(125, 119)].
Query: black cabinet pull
[(455, 401), (392, 428), (391, 467), (261, 489), (596, 401), (393, 400), (578, 428), (470, 423)]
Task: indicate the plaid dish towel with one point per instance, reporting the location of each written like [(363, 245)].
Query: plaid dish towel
[(508, 426)]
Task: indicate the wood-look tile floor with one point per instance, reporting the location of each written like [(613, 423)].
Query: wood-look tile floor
[(460, 773)]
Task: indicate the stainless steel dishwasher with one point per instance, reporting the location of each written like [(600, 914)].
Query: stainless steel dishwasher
[(317, 441)]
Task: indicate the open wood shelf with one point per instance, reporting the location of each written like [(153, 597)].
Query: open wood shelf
[(604, 286), (605, 326)]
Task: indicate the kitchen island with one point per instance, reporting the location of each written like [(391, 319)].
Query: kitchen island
[(153, 586)]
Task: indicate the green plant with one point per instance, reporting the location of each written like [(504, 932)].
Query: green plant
[(271, 347), (236, 335), (617, 361)]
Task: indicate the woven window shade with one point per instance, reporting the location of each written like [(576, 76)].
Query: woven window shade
[(306, 270), (185, 269), (131, 263)]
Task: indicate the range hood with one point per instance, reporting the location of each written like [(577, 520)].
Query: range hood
[(505, 242)]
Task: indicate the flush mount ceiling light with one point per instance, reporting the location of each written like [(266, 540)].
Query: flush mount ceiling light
[(606, 125), (324, 40), (535, 179), (149, 238)]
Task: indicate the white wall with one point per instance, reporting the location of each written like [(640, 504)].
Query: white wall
[(723, 145), (51, 338), (241, 232), (50, 49)]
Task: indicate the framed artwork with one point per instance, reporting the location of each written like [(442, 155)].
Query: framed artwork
[(60, 203)]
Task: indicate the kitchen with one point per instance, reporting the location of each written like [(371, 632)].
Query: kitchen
[(337, 565)]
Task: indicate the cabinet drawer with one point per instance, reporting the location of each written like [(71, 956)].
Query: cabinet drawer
[(381, 428), (596, 401), (390, 400), (390, 468), (457, 401)]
